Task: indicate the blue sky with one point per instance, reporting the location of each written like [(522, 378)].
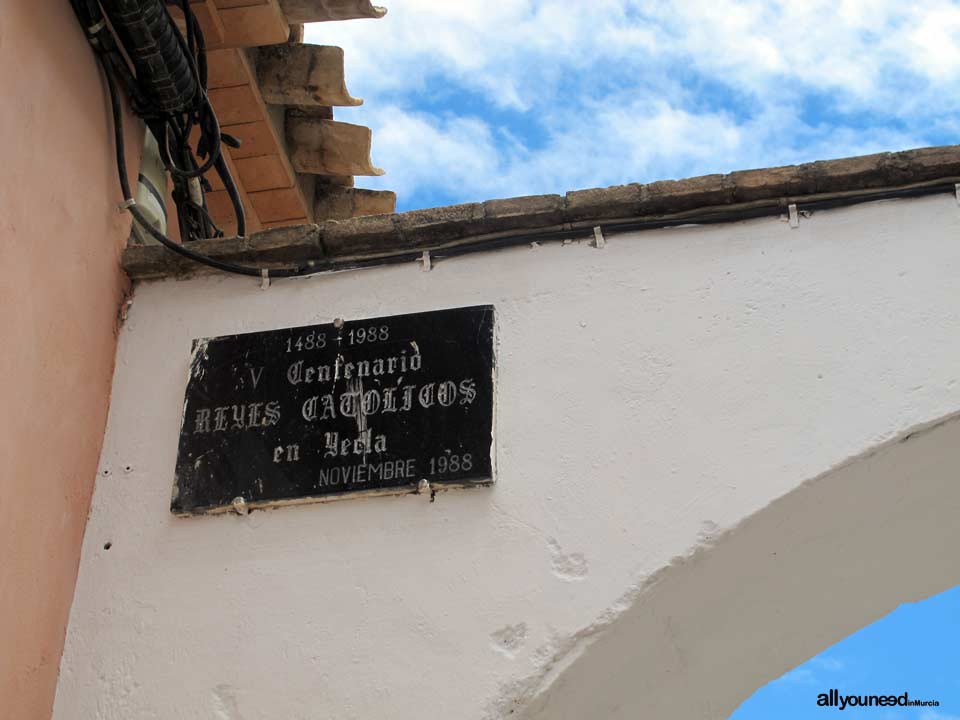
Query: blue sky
[(474, 99), (478, 99), (915, 649)]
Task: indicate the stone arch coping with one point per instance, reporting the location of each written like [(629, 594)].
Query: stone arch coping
[(814, 566)]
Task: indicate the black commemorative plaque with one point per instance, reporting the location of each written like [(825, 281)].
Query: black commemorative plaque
[(349, 407)]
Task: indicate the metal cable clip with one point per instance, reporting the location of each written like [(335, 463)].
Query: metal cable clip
[(598, 240), (793, 215)]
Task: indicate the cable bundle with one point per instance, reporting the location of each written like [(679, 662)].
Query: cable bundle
[(166, 81)]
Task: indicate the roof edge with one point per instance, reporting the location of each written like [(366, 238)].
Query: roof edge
[(356, 240)]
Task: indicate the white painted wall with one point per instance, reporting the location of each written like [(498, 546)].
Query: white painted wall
[(652, 394)]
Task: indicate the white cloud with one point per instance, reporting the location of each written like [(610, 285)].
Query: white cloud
[(829, 664), (460, 159), (934, 43), (623, 91)]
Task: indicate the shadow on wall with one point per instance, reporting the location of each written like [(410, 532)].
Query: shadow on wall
[(816, 565)]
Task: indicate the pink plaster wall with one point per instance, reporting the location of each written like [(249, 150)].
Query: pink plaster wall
[(60, 289)]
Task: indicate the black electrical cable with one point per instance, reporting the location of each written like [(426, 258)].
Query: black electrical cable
[(169, 87), (131, 206), (186, 252), (191, 106), (156, 50)]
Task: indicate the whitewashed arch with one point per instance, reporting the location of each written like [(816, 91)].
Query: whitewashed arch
[(651, 395), (826, 559)]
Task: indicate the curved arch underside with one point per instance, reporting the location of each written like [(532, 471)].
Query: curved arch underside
[(841, 551)]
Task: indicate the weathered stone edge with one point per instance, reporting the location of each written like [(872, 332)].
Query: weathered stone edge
[(378, 235)]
